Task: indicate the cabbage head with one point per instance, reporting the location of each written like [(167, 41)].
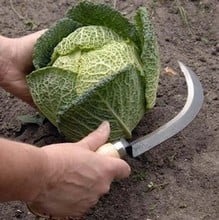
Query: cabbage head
[(94, 65)]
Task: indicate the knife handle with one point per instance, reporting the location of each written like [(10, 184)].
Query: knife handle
[(117, 149), (108, 150)]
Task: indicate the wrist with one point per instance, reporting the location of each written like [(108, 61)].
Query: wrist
[(39, 179), (22, 171)]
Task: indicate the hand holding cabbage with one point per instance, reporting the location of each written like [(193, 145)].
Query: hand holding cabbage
[(95, 65)]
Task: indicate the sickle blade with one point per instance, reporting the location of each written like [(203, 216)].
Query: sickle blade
[(191, 108)]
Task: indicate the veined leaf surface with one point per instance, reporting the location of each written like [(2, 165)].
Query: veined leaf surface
[(88, 13), (52, 90), (118, 99), (112, 75), (149, 55), (45, 45)]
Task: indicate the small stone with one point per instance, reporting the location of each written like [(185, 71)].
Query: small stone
[(211, 96), (183, 206), (160, 162), (205, 3), (214, 51), (202, 59), (217, 47), (18, 213)]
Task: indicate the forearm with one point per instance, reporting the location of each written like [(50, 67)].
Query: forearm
[(22, 171)]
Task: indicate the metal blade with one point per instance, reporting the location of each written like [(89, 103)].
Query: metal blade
[(191, 108)]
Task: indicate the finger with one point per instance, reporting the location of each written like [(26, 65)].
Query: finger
[(98, 137), (119, 168)]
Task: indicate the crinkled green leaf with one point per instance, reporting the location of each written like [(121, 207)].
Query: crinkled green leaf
[(69, 62), (118, 99), (102, 63), (90, 51), (68, 52), (86, 38), (52, 90), (149, 55), (45, 45), (88, 13)]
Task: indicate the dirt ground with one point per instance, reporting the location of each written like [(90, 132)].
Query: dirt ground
[(177, 180)]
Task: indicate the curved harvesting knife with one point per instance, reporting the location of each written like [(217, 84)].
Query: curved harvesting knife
[(191, 108)]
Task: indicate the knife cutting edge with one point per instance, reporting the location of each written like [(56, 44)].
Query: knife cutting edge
[(191, 108)]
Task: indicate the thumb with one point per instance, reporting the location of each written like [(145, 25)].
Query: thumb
[(98, 137)]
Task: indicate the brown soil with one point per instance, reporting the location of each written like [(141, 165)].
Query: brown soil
[(179, 179)]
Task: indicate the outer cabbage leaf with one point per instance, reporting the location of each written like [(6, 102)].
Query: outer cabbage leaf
[(149, 55), (88, 13), (118, 99), (52, 90), (45, 45)]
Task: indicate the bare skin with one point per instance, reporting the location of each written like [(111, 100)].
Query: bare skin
[(60, 179), (16, 63)]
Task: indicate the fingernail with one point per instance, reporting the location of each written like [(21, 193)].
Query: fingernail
[(103, 126)]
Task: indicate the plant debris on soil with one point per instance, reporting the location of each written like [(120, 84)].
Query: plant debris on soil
[(177, 180)]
